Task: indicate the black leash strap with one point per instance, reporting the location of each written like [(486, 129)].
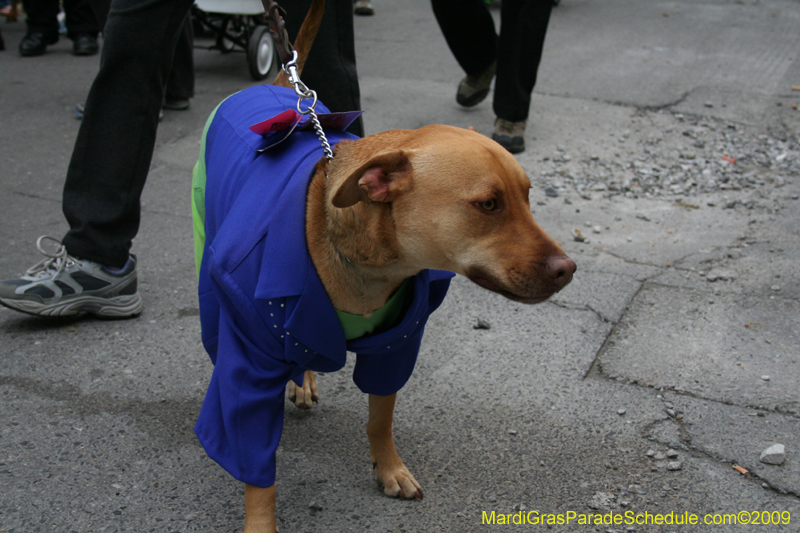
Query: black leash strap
[(277, 27)]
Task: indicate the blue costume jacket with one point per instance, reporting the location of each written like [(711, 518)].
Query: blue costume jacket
[(265, 315)]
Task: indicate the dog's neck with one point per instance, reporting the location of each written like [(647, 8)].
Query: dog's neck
[(353, 249)]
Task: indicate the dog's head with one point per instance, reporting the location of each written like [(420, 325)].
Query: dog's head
[(452, 199)]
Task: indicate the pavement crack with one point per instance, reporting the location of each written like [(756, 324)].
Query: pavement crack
[(585, 307), (594, 369), (672, 264), (619, 103), (680, 392), (35, 196), (685, 438), (633, 261), (750, 475), (665, 106)]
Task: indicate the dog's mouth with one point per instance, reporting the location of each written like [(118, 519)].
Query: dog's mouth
[(487, 282)]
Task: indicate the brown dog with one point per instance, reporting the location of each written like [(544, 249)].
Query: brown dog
[(393, 204), (402, 201)]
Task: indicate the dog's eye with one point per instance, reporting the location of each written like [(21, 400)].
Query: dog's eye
[(489, 205)]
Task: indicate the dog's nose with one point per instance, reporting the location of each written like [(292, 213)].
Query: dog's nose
[(561, 270)]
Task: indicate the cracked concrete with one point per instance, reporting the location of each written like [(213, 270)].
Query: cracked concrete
[(676, 343)]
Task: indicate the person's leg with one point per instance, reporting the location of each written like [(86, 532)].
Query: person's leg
[(42, 22), (100, 9), (331, 66), (92, 272), (468, 28), (180, 84), (522, 32), (82, 27), (115, 142), (41, 16), (80, 18)]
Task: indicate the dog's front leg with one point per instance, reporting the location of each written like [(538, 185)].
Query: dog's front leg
[(392, 473), (259, 507), (306, 396)]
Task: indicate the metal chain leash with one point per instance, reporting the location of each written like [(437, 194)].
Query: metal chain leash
[(288, 57), (304, 93)]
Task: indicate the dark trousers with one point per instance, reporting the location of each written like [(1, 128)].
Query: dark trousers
[(115, 142), (331, 66), (469, 30), (180, 84), (42, 17), (114, 148)]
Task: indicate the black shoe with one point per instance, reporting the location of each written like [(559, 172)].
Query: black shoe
[(176, 104), (84, 45), (35, 44), (363, 7)]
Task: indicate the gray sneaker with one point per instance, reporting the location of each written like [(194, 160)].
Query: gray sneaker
[(510, 134), (62, 285), (473, 89)]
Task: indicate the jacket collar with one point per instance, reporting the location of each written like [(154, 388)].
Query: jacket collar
[(286, 263), (288, 272)]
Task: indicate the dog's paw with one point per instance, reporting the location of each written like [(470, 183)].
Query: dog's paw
[(304, 397), (398, 482)]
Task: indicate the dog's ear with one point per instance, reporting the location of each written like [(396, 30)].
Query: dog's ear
[(381, 179)]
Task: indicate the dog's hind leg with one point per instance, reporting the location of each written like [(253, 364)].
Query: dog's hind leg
[(259, 505), (397, 481), (304, 397)]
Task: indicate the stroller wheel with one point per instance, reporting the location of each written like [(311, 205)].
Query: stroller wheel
[(260, 53)]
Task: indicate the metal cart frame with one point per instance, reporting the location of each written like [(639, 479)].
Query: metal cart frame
[(239, 25)]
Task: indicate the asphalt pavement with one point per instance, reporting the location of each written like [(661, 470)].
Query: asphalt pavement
[(663, 149)]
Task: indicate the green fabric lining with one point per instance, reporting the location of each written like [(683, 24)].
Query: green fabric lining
[(356, 326), (199, 197)]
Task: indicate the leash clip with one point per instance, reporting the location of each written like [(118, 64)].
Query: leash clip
[(304, 93), (288, 56)]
